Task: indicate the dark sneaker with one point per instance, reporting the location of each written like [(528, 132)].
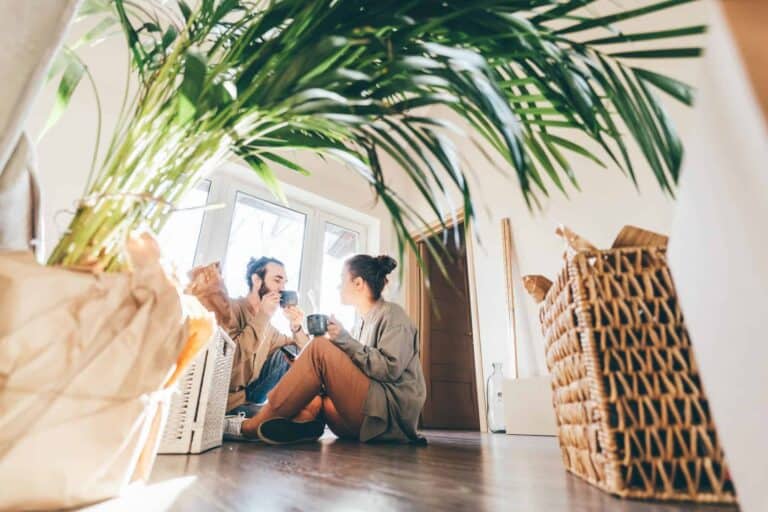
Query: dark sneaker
[(283, 431)]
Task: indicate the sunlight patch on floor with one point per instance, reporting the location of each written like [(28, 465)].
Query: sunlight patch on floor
[(155, 497)]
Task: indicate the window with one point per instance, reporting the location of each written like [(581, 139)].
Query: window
[(310, 234), (180, 235), (338, 244), (260, 228)]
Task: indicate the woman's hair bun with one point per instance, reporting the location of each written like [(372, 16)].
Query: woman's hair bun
[(373, 270), (386, 263)]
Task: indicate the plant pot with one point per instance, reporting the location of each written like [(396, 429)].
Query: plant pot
[(85, 361)]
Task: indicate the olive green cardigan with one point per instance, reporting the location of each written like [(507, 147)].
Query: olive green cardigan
[(385, 346)]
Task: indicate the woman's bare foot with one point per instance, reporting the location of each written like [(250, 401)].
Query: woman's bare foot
[(335, 422), (311, 411), (250, 427)]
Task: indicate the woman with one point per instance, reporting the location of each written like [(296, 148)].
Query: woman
[(372, 382)]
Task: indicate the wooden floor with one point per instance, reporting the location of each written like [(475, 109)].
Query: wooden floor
[(457, 471)]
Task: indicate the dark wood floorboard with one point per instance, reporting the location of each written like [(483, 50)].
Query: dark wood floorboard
[(457, 471)]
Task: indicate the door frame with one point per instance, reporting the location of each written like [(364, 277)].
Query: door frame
[(413, 279)]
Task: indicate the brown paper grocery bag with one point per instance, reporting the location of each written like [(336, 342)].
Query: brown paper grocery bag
[(85, 361)]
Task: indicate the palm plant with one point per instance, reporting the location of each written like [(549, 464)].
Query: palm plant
[(357, 80)]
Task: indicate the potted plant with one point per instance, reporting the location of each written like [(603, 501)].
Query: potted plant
[(352, 80)]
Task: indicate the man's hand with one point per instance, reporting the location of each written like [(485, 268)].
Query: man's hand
[(208, 286), (296, 316), (270, 302), (334, 328)]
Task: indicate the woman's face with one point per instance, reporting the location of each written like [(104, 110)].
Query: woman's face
[(350, 287)]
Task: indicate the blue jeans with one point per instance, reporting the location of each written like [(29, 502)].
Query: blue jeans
[(273, 370)]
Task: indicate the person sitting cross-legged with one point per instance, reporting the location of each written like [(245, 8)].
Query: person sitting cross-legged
[(369, 386), (258, 363)]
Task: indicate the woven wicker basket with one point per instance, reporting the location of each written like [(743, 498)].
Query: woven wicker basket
[(196, 417), (632, 417)]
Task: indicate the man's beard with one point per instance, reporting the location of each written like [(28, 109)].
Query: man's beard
[(263, 290)]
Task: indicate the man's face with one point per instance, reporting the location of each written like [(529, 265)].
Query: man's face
[(274, 279)]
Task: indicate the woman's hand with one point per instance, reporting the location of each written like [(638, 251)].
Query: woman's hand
[(294, 315), (334, 328)]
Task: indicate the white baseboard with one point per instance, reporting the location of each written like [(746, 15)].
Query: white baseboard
[(528, 407)]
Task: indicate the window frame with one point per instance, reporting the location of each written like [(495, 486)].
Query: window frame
[(226, 182), (292, 280), (209, 185)]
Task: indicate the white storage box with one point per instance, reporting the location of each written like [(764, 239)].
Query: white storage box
[(196, 417), (528, 406)]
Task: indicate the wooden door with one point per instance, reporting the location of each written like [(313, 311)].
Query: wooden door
[(447, 350)]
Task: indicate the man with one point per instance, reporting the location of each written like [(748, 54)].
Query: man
[(258, 361)]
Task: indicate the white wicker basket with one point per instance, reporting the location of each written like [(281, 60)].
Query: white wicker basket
[(196, 416)]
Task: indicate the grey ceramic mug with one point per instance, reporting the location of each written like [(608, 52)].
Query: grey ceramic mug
[(288, 298), (317, 324)]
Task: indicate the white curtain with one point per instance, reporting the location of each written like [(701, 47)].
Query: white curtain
[(31, 32)]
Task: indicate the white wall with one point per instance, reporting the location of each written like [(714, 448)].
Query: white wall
[(608, 200), (719, 250)]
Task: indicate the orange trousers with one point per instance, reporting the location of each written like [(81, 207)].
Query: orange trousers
[(324, 367)]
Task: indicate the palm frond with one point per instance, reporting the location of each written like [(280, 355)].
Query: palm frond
[(357, 80)]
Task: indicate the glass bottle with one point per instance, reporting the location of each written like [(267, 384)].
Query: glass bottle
[(495, 399)]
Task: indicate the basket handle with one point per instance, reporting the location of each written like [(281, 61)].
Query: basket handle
[(574, 243)]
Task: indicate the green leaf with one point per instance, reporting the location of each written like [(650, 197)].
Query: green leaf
[(675, 88), (226, 7), (195, 69), (186, 11), (561, 161), (541, 155), (636, 122), (149, 27), (365, 81), (572, 146), (649, 36), (661, 53), (73, 73), (674, 146), (605, 21), (169, 36), (91, 7), (96, 34), (418, 177), (133, 37), (60, 61), (185, 109), (266, 175), (561, 10), (285, 163)]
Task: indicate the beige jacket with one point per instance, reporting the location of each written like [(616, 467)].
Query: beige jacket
[(251, 330), (256, 340)]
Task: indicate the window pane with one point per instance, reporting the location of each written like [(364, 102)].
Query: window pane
[(338, 244), (260, 228), (178, 238)]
